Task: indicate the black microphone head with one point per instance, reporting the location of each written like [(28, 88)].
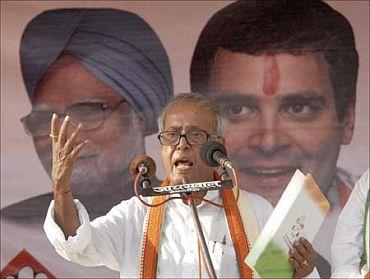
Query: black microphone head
[(207, 150), (145, 160)]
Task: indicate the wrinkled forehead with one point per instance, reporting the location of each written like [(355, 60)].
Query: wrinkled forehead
[(189, 115)]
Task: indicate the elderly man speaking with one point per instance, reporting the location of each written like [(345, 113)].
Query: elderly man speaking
[(161, 241)]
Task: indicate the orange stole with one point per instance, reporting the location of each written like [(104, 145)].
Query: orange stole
[(151, 239), (344, 191), (153, 229), (238, 235)]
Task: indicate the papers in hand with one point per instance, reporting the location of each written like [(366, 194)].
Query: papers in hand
[(299, 213)]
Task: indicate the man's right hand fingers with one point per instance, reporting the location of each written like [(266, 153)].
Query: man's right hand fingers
[(53, 128), (71, 141), (62, 138), (54, 135), (77, 150)]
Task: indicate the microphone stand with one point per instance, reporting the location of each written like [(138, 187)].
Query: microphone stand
[(223, 173), (198, 227)]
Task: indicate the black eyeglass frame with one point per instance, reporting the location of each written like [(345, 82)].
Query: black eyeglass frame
[(208, 135), (104, 106)]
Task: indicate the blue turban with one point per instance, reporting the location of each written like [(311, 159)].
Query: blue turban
[(118, 47)]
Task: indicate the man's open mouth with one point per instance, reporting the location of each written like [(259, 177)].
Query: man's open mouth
[(183, 164)]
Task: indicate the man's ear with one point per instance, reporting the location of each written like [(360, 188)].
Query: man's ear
[(348, 124)]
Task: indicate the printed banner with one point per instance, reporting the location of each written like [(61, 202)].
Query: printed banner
[(293, 99)]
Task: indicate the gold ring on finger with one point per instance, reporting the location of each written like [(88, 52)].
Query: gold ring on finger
[(53, 136)]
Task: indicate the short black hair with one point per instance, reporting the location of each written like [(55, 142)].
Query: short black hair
[(281, 26)]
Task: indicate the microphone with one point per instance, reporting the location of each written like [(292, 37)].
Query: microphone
[(185, 188), (146, 166), (214, 154)]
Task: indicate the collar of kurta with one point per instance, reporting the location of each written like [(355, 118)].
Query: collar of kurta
[(153, 228)]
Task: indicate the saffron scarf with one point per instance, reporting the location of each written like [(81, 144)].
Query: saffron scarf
[(241, 220)]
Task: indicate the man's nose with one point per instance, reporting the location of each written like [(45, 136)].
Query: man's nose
[(269, 135), (183, 144)]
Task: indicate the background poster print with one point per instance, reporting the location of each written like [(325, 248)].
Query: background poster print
[(22, 174)]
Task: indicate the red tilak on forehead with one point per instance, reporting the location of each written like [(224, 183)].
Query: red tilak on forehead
[(271, 75)]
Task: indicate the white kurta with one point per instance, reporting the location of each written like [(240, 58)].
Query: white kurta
[(348, 237), (114, 240), (323, 239)]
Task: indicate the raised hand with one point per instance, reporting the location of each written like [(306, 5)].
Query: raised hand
[(64, 154), (302, 258)]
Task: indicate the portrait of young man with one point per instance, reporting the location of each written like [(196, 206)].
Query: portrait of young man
[(285, 73)]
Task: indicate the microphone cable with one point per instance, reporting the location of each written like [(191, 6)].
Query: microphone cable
[(136, 183)]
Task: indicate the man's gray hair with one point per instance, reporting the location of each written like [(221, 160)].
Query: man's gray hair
[(221, 119)]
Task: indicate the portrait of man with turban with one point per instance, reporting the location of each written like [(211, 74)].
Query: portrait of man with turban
[(108, 70)]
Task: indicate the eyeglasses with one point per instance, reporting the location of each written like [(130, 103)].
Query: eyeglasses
[(171, 138), (90, 115)]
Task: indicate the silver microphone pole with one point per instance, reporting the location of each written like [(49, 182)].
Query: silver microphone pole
[(198, 227)]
